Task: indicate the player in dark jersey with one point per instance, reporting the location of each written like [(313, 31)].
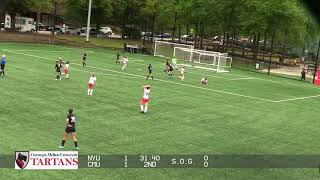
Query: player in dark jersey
[(58, 68), (167, 67), (303, 74), (170, 70), (118, 58), (71, 128), (149, 72), (84, 59)]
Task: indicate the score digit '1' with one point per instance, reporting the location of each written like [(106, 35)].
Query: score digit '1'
[(125, 161)]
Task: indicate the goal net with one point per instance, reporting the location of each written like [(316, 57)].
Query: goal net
[(210, 60), (165, 49)]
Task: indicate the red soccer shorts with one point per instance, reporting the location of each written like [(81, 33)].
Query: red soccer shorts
[(91, 86), (66, 71), (144, 101)]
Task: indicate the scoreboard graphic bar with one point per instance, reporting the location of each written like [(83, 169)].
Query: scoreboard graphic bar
[(200, 161), (187, 161)]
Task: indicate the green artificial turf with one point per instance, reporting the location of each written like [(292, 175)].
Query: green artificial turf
[(239, 112)]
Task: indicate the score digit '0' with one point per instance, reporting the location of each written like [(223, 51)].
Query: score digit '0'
[(205, 163)]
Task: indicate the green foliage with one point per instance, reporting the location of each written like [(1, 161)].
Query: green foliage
[(77, 10), (127, 15), (288, 19), (39, 5), (101, 11), (13, 7), (16, 6)]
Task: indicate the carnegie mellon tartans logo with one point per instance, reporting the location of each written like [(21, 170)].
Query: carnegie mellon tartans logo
[(46, 160), (22, 159)]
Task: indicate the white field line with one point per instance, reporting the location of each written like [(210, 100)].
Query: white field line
[(110, 55), (137, 60), (41, 57), (188, 72), (62, 51), (47, 45), (219, 77), (250, 78), (228, 74), (77, 49), (38, 50), (35, 50), (244, 78), (224, 92), (270, 80), (218, 91), (197, 87), (171, 82), (106, 74), (298, 98), (293, 84)]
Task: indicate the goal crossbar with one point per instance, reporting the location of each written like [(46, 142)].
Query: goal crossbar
[(168, 48), (218, 61)]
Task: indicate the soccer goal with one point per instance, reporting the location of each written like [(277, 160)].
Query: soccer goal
[(209, 60), (165, 49)]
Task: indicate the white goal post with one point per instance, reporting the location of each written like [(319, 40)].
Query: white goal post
[(165, 49), (216, 61)]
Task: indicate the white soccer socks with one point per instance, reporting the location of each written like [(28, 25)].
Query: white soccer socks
[(145, 108)]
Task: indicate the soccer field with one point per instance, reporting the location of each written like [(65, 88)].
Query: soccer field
[(239, 112)]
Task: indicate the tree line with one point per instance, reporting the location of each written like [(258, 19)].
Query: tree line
[(284, 23)]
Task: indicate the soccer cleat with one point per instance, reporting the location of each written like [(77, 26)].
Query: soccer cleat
[(76, 148), (61, 147)]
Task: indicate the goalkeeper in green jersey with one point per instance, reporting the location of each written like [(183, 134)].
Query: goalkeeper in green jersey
[(174, 62)]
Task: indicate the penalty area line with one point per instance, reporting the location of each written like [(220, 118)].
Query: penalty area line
[(298, 98), (188, 85), (34, 50), (239, 77), (245, 78), (171, 82), (106, 74)]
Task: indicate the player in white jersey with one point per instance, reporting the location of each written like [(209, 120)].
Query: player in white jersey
[(125, 63), (145, 99), (181, 70), (66, 69), (91, 84)]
